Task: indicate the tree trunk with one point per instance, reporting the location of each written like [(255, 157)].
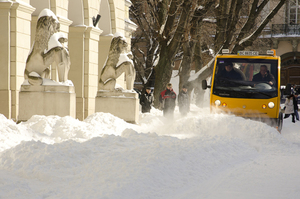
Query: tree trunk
[(185, 65), (169, 48), (163, 74)]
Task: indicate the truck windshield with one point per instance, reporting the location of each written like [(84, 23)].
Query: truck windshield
[(246, 78)]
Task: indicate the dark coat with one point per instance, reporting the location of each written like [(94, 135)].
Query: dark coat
[(267, 78), (184, 102), (295, 102), (168, 98), (146, 101)]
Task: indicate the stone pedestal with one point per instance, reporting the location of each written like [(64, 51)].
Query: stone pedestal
[(47, 100), (123, 104)]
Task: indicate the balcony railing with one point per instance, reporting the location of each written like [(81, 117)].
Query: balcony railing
[(285, 30)]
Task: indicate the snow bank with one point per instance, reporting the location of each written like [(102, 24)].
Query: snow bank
[(201, 155)]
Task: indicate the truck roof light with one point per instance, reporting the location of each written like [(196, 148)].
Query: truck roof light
[(271, 52), (225, 51)]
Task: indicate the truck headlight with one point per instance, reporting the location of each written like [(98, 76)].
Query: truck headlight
[(271, 105), (217, 102)]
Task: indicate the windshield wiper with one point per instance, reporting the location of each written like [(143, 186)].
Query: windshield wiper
[(222, 80), (266, 94)]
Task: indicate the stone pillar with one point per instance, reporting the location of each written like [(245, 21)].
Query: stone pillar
[(20, 20), (5, 92), (275, 43), (47, 100), (104, 45), (122, 104), (129, 25), (34, 20), (76, 73), (294, 44), (64, 25), (91, 43)]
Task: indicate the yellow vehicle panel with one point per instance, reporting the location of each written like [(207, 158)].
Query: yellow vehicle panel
[(252, 108)]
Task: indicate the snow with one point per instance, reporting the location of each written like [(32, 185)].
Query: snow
[(130, 22), (196, 75), (202, 155), (48, 82), (211, 20), (54, 41), (119, 34), (124, 58), (51, 82), (48, 12)]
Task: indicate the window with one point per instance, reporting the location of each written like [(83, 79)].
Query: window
[(242, 78), (294, 12)]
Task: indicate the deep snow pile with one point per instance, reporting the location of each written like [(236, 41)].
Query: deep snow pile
[(202, 155)]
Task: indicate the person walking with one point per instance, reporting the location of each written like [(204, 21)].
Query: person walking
[(184, 101), (293, 89), (289, 108), (295, 101), (167, 100), (146, 100)]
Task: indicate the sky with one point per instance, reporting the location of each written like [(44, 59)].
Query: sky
[(201, 155)]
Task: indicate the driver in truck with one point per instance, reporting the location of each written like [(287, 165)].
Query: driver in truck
[(264, 76), (230, 73)]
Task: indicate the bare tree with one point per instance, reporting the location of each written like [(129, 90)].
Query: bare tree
[(144, 43), (192, 42), (168, 29), (170, 26)]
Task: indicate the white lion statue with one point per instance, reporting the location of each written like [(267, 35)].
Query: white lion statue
[(118, 61), (48, 47)]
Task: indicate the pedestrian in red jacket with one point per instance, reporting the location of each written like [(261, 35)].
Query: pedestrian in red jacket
[(167, 99)]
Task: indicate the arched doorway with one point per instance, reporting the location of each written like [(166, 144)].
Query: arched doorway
[(290, 68), (105, 20)]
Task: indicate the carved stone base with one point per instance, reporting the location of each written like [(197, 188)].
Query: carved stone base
[(46, 100), (124, 105)]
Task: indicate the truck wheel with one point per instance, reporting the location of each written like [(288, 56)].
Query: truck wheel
[(280, 122)]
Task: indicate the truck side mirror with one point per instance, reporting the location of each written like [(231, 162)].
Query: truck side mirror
[(204, 84)]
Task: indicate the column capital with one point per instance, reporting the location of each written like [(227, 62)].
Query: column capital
[(79, 29), (6, 4), (275, 43), (294, 44), (64, 21), (93, 33), (23, 7)]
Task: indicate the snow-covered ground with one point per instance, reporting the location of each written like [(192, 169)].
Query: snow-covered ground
[(202, 155)]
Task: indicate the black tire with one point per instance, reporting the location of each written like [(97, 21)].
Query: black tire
[(280, 122)]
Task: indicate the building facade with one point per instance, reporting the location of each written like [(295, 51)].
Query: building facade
[(284, 32), (88, 45)]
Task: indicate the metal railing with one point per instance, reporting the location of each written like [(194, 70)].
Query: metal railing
[(285, 30)]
